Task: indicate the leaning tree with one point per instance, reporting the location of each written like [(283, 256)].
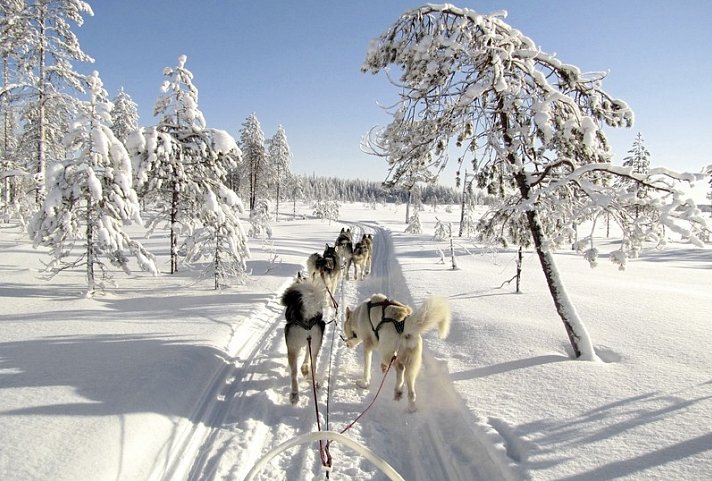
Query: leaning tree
[(473, 84)]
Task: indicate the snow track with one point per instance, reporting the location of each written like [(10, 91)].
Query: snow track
[(246, 411)]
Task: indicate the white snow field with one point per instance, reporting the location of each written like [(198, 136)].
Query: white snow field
[(163, 378)]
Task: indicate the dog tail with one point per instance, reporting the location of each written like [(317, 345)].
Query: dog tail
[(434, 312)]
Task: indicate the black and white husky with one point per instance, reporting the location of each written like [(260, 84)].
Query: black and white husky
[(303, 301), (393, 329)]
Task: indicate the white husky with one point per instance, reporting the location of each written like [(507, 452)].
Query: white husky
[(392, 329)]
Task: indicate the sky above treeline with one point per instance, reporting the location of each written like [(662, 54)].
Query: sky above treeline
[(297, 64)]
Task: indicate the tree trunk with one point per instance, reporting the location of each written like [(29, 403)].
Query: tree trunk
[(174, 234), (217, 258), (276, 215), (407, 207), (462, 204), (576, 331), (452, 252), (7, 183), (91, 284), (41, 98), (519, 268)]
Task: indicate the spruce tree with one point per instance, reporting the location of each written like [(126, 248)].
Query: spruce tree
[(124, 115), (279, 156), (252, 144), (90, 199)]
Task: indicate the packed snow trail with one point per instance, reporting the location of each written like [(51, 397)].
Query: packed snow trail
[(247, 410)]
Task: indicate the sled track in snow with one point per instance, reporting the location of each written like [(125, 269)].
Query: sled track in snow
[(192, 452), (440, 441)]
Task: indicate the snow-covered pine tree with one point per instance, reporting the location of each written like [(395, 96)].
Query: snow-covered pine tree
[(90, 199), (12, 46), (327, 209), (252, 144), (182, 168), (638, 160), (260, 220), (296, 191), (53, 49), (220, 238), (279, 155), (414, 225), (468, 222), (533, 119), (179, 117), (124, 115)]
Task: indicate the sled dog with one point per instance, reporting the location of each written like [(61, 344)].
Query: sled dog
[(367, 239), (325, 268), (358, 259), (303, 302), (392, 329), (344, 245)]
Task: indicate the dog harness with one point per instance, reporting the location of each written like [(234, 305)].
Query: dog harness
[(307, 324), (399, 325)]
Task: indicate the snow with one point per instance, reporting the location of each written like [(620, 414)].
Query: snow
[(164, 378)]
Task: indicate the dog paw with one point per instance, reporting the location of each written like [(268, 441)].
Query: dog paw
[(412, 407), (384, 367), (363, 384), (398, 395), (294, 398)]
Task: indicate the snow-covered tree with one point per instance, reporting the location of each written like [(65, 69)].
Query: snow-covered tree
[(252, 143), (53, 49), (468, 221), (220, 239), (326, 209), (11, 51), (473, 81), (296, 191), (279, 155), (260, 220), (638, 160), (90, 199), (124, 115), (414, 225), (181, 164)]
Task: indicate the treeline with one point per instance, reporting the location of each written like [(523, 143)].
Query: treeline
[(359, 190)]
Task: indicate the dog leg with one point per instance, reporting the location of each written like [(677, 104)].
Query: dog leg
[(292, 355), (315, 348), (398, 392), (414, 362), (366, 380)]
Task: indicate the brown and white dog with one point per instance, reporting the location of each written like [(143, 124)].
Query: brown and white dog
[(393, 329), (325, 268), (367, 240)]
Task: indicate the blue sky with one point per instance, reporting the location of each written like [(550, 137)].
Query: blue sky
[(297, 63)]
